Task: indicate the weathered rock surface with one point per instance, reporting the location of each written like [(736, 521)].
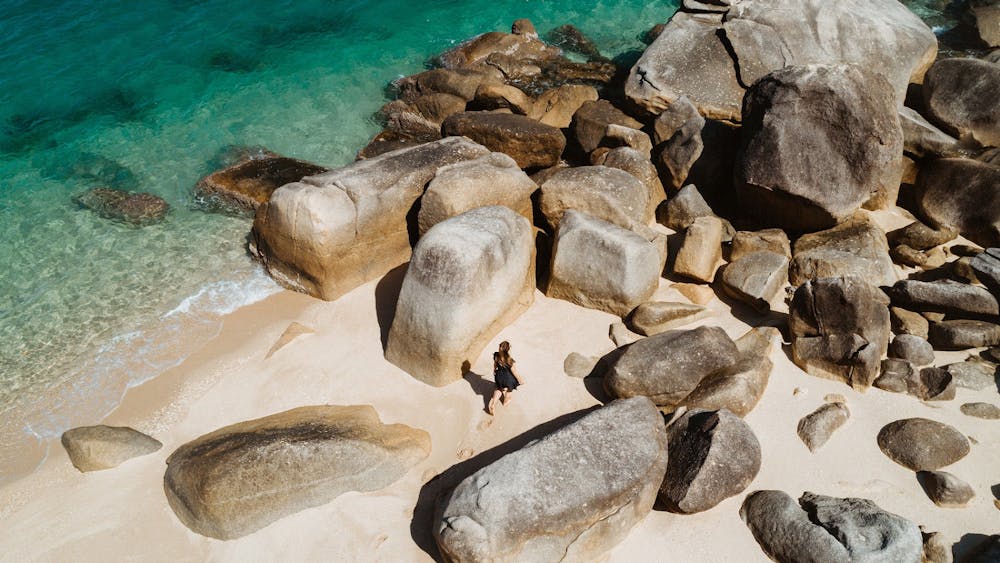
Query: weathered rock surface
[(569, 496), (531, 144), (857, 248), (701, 251), (126, 207), (608, 194), (981, 410), (682, 209), (974, 373), (591, 121), (668, 366), (600, 265), (238, 479), (250, 182), (908, 322), (498, 96), (332, 232), (839, 329), (493, 179), (767, 240), (822, 528), (469, 277), (963, 334), (923, 140), (816, 428), (640, 166), (579, 366), (93, 448), (952, 298), (912, 348), (937, 548), (620, 334), (756, 278), (945, 489), (961, 194), (477, 52), (919, 236), (928, 384), (986, 266), (713, 455), (897, 376), (739, 387), (962, 95), (987, 16), (846, 119), (923, 259), (921, 444), (570, 38), (654, 317), (677, 133), (462, 83), (557, 106)]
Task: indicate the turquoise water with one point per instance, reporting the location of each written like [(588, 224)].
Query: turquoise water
[(147, 96)]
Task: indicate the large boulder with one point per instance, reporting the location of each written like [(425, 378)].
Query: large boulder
[(609, 194), (840, 329), (639, 165), (962, 194), (132, 208), (857, 247), (668, 366), (569, 496), (600, 265), (93, 448), (921, 444), (962, 95), (531, 144), (469, 277), (713, 455), (677, 132), (249, 183), (821, 528), (845, 119), (238, 479), (493, 179), (330, 233)]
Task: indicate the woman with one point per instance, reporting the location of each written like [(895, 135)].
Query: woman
[(504, 375)]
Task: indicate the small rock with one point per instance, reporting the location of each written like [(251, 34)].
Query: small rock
[(981, 410), (815, 429), (696, 293), (925, 260), (908, 322), (250, 182), (126, 207), (579, 366), (677, 133), (920, 444), (682, 209), (756, 278), (770, 240), (945, 489), (701, 252), (616, 136), (933, 384), (93, 448), (571, 39), (897, 376), (655, 317), (621, 335), (493, 96), (986, 265), (912, 348), (963, 334), (937, 549), (556, 107)]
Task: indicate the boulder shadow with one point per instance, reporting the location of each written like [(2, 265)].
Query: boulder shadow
[(995, 489), (594, 381), (971, 545), (386, 296), (747, 314), (422, 524)]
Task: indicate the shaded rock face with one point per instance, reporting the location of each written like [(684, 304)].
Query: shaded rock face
[(493, 179), (238, 479), (961, 194), (739, 387), (963, 334), (469, 277), (767, 240), (606, 193), (591, 121), (713, 455), (845, 119), (247, 184), (557, 106), (923, 140), (963, 97), (986, 266), (682, 209), (677, 131), (569, 496), (756, 278), (945, 489), (654, 317), (667, 367), (816, 428), (600, 265), (821, 528), (93, 448), (332, 232), (839, 329), (920, 444), (928, 384), (137, 209), (531, 144), (856, 247), (952, 298)]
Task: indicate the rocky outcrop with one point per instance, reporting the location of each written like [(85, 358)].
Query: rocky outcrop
[(945, 489), (531, 144), (462, 83), (600, 265), (839, 329), (493, 179), (137, 209), (713, 455), (93, 448), (700, 253), (608, 194), (469, 277), (249, 183), (962, 95), (961, 194), (822, 528), (816, 428), (332, 232), (756, 278), (677, 133), (856, 248), (921, 444), (654, 317), (238, 479), (847, 118), (569, 496), (739, 387)]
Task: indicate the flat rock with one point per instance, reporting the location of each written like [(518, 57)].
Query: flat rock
[(739, 387), (912, 348), (250, 182), (93, 448), (677, 133), (606, 193), (945, 489), (981, 410), (962, 95), (769, 240), (591, 121), (961, 194), (654, 317), (571, 495), (974, 373), (701, 251), (238, 479), (756, 278), (920, 444), (696, 293), (816, 428), (955, 299), (986, 266), (531, 144), (132, 208), (470, 276), (713, 455), (857, 247), (963, 334)]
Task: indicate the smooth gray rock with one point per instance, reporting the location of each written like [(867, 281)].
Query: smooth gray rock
[(816, 428), (591, 121), (93, 448), (530, 143), (756, 278), (579, 366), (668, 366), (654, 317), (945, 489), (986, 266), (963, 334), (981, 410), (677, 133), (974, 373), (952, 298), (640, 166), (962, 95), (569, 496), (846, 119), (238, 479), (599, 265), (770, 240), (920, 444), (606, 193), (713, 455), (470, 276), (682, 209), (923, 140), (912, 348), (961, 194), (857, 247)]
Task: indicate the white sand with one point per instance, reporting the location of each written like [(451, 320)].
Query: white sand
[(59, 514)]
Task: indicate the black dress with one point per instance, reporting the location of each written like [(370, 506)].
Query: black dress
[(503, 376)]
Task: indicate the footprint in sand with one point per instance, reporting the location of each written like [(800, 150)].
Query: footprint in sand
[(465, 453), (486, 423)]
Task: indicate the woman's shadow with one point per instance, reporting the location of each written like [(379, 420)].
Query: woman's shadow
[(481, 385)]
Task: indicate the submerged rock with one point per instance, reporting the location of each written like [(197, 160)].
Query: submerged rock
[(249, 183), (93, 448), (132, 208)]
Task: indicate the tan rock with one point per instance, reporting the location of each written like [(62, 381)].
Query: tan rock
[(93, 448), (696, 293), (701, 252), (556, 107)]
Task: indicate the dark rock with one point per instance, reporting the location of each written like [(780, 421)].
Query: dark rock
[(756, 278), (986, 266), (571, 495), (847, 118), (908, 322), (963, 334), (571, 39), (530, 143), (952, 298), (962, 194), (682, 209), (974, 373), (591, 121), (919, 236), (93, 448), (769, 240), (677, 133), (654, 317), (249, 183), (981, 410), (524, 27), (856, 247), (492, 96), (925, 260), (653, 33), (126, 207), (238, 479), (713, 455), (912, 348), (816, 428), (839, 329), (986, 552), (923, 140), (388, 141), (933, 384), (922, 445), (667, 367), (945, 489), (962, 95), (987, 16)]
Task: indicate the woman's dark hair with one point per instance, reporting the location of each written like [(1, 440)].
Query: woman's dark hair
[(503, 356)]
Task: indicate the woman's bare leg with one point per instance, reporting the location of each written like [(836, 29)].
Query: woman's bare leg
[(505, 397), (493, 401)]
